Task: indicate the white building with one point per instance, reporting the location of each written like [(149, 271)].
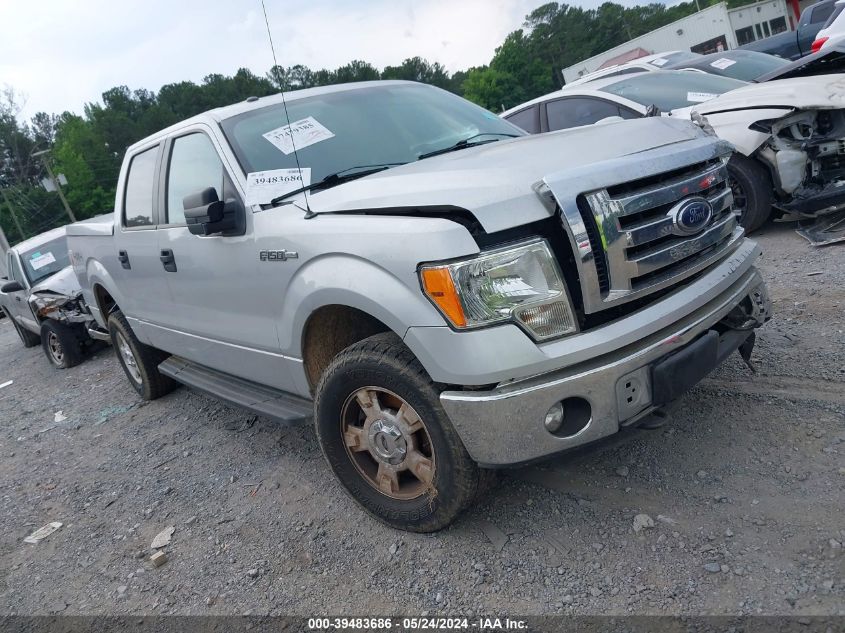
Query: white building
[(713, 29)]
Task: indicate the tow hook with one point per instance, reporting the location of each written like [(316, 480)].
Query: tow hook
[(745, 351), (655, 420)]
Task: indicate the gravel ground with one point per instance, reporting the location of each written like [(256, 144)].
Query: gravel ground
[(743, 491)]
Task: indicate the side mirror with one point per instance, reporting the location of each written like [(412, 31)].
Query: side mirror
[(206, 214), (11, 286)]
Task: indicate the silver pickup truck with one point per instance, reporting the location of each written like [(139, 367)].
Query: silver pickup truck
[(442, 293)]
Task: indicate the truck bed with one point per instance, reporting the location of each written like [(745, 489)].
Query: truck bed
[(99, 225)]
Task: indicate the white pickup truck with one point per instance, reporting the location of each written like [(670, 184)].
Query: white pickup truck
[(440, 292)]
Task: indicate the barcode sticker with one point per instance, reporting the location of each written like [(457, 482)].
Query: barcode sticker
[(298, 135), (700, 97), (263, 186), (722, 63)]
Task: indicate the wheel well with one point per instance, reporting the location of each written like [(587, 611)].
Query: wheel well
[(330, 330), (104, 301)]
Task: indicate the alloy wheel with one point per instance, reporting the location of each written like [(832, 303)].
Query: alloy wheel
[(128, 358), (388, 443)]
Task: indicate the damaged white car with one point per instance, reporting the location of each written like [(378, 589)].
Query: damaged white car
[(43, 300), (789, 134)]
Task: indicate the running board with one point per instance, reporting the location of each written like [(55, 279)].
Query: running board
[(259, 399)]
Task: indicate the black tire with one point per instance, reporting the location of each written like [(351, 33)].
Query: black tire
[(144, 375), (751, 185), (29, 339), (383, 363), (61, 344)]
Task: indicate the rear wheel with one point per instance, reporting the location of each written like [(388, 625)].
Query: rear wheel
[(751, 187), (387, 439), (61, 344), (140, 362)]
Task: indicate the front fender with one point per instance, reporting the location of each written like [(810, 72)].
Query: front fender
[(348, 280), (735, 127)]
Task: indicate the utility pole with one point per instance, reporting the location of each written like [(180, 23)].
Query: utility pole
[(56, 183), (12, 212)]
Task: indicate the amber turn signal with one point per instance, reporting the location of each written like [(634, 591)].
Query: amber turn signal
[(438, 285)]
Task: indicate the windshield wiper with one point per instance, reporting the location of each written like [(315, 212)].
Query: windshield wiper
[(466, 142), (337, 178)]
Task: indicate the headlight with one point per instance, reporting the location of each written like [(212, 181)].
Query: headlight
[(520, 283)]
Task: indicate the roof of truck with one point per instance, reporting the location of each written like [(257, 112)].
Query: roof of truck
[(219, 114), (39, 239)]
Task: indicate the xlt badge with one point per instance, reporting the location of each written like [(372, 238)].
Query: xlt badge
[(277, 256)]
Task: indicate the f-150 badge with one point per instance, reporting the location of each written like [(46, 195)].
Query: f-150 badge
[(277, 256)]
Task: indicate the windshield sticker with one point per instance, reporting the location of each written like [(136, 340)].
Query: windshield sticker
[(660, 61), (722, 63), (263, 186), (700, 97), (38, 261), (300, 133)]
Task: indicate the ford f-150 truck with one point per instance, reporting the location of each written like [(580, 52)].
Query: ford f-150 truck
[(440, 292)]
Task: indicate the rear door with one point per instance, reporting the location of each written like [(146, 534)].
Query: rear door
[(221, 314)]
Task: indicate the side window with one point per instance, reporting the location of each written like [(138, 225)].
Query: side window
[(821, 13), (527, 119), (138, 198), (575, 111), (194, 166)]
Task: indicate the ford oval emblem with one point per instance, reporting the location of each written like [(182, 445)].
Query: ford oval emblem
[(691, 215)]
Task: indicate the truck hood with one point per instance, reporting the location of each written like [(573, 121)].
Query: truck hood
[(497, 181), (63, 282), (823, 91)]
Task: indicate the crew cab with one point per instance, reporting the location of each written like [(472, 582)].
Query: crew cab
[(43, 300), (441, 292)]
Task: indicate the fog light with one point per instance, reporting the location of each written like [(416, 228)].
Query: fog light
[(554, 418)]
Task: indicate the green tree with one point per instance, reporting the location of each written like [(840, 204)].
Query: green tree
[(356, 70), (493, 89), (89, 165)]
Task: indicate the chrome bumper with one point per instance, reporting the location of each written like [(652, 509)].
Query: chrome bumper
[(504, 426)]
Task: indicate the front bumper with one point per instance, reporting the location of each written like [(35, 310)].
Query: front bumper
[(505, 425)]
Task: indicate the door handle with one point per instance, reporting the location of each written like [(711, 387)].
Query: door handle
[(168, 260), (123, 258)]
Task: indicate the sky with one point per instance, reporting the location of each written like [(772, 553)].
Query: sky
[(61, 54)]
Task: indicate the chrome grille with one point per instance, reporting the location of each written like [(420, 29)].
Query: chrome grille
[(636, 242)]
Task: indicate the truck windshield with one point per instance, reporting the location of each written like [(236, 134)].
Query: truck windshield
[(673, 89), (45, 260), (376, 125)]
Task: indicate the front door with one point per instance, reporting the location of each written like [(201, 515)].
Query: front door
[(16, 302), (221, 314)]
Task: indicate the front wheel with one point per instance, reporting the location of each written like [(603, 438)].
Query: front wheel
[(387, 439), (751, 187), (61, 344), (140, 362)]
